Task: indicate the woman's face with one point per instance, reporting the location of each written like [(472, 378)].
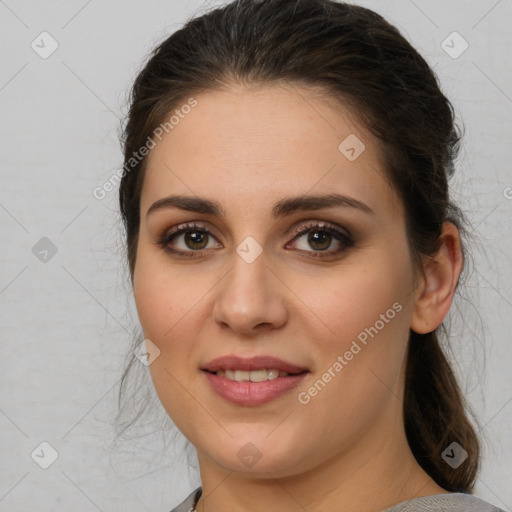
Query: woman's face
[(304, 258)]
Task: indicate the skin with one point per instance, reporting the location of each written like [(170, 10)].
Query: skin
[(247, 149)]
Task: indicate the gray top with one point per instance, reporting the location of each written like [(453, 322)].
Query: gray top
[(453, 502)]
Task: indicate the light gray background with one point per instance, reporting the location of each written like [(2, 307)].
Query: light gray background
[(66, 323)]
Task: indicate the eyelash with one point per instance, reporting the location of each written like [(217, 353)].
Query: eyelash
[(325, 227)]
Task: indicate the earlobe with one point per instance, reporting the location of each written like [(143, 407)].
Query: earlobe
[(439, 281)]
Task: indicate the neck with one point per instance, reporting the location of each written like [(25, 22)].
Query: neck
[(374, 474)]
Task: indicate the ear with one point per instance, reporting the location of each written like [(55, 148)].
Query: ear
[(437, 286)]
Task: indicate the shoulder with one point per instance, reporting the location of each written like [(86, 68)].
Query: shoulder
[(189, 503), (453, 502)]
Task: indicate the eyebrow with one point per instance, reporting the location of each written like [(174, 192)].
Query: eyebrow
[(280, 209)]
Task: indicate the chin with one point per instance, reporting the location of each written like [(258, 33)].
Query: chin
[(257, 454)]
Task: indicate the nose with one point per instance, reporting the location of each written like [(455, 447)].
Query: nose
[(251, 299)]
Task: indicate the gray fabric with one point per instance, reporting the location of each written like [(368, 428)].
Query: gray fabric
[(190, 502), (453, 502)]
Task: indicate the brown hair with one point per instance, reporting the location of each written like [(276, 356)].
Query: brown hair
[(358, 58)]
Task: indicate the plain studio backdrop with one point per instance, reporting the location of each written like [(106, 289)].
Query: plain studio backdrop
[(66, 311)]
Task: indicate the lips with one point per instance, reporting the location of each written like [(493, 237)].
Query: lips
[(264, 362), (249, 387)]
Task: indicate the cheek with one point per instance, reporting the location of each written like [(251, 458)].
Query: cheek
[(168, 318), (172, 306), (163, 295), (358, 368), (364, 328), (352, 300)]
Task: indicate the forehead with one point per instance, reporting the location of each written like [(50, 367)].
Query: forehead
[(254, 145)]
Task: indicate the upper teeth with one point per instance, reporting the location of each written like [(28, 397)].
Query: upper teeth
[(253, 376)]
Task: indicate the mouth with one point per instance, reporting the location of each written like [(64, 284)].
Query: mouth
[(252, 381), (254, 375), (269, 364)]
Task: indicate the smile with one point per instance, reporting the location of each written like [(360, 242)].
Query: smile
[(252, 376)]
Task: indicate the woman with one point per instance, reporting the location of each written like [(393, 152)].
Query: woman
[(293, 252)]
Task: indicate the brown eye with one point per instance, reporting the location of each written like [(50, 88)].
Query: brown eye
[(321, 240), (187, 240), (196, 239)]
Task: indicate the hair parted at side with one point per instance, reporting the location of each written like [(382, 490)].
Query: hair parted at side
[(359, 59)]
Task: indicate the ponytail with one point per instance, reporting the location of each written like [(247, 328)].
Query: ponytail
[(435, 417)]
